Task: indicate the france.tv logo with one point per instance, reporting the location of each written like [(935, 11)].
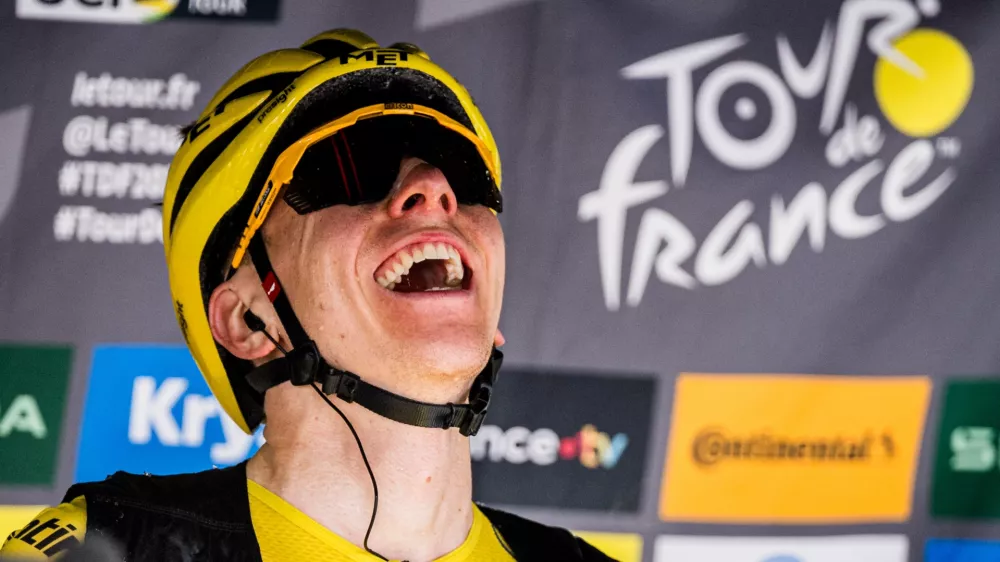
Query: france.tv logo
[(148, 409)]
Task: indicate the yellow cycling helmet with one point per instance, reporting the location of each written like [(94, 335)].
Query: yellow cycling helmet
[(240, 152)]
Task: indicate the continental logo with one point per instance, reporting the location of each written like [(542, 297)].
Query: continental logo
[(714, 446), (773, 449), (50, 537)]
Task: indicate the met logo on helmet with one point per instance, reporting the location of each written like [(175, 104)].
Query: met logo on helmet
[(381, 57)]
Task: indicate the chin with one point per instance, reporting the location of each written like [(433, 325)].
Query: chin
[(452, 359)]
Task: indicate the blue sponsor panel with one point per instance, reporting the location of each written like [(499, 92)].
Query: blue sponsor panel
[(955, 550), (148, 409)]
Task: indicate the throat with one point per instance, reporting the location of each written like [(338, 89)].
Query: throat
[(429, 470)]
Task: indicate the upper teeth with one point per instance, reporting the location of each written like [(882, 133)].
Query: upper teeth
[(399, 265)]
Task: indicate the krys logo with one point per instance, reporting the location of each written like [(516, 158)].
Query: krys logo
[(149, 410), (151, 419), (518, 445), (922, 81), (146, 11)]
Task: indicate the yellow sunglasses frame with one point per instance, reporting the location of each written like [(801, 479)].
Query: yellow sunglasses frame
[(284, 166)]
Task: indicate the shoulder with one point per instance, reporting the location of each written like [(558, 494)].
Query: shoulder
[(530, 540), (211, 494), (202, 515), (50, 533)]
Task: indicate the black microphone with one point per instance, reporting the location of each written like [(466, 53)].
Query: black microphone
[(254, 322)]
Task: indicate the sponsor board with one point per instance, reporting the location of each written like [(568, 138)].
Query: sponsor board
[(954, 550), (862, 78), (148, 11), (94, 182), (148, 409), (563, 440), (33, 380), (856, 548), (619, 546), (793, 449), (966, 482)]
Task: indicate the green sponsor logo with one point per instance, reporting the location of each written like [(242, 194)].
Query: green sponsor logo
[(32, 399), (967, 465)]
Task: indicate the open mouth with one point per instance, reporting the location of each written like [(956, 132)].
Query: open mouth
[(424, 267)]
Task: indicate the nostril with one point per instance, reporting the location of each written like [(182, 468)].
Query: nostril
[(445, 203), (412, 201)]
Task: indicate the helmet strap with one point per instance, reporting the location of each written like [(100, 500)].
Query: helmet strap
[(303, 365)]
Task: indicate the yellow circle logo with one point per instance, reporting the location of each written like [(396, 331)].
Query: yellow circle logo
[(926, 103)]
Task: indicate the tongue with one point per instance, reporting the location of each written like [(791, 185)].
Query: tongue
[(423, 276)]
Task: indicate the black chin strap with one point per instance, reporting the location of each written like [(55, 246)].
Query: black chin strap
[(304, 365)]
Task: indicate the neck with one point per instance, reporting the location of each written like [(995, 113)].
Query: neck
[(312, 461)]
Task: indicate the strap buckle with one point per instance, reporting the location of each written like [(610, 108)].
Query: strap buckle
[(472, 416), (303, 364), (342, 383)]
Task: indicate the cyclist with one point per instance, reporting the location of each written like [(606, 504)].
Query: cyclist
[(337, 266)]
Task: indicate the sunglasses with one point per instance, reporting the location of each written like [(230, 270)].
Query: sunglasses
[(355, 160)]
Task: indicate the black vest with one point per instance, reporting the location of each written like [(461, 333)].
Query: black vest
[(206, 516)]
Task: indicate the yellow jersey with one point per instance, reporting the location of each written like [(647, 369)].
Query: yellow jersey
[(284, 534)]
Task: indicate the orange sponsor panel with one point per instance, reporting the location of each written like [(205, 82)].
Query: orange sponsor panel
[(793, 449)]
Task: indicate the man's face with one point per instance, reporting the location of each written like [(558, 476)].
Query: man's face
[(397, 290)]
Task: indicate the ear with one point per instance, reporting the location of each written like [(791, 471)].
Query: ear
[(225, 315), (498, 339)]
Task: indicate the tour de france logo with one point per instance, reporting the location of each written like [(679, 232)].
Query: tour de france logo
[(921, 82)]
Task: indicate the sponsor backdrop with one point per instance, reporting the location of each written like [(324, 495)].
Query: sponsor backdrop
[(751, 254)]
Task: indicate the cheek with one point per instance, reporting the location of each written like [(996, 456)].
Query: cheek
[(328, 257), (499, 253), (492, 240)]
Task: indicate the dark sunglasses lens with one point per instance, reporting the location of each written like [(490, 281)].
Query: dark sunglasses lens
[(359, 164), (343, 169)]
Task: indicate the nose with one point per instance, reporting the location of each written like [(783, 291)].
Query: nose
[(423, 190)]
